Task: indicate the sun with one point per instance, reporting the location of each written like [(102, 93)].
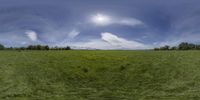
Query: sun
[(101, 19)]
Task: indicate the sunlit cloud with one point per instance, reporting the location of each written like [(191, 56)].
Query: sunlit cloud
[(101, 19)]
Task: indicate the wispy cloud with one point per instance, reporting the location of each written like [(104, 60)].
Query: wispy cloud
[(31, 35), (175, 40), (130, 22), (73, 33), (110, 41)]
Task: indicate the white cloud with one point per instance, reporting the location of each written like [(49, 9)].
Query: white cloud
[(31, 35), (73, 33), (110, 41), (104, 20), (120, 42)]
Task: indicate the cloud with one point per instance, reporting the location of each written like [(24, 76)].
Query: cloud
[(101, 20), (104, 20), (18, 40), (73, 33), (31, 35), (120, 42), (110, 41), (130, 22)]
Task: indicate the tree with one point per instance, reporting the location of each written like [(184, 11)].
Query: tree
[(30, 47), (156, 49), (191, 46), (173, 48), (38, 47), (197, 47), (22, 48), (46, 47), (2, 47), (183, 46), (166, 47), (68, 48)]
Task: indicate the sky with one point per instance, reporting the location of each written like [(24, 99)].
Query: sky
[(99, 24)]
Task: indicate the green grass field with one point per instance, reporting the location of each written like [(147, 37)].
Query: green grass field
[(100, 75)]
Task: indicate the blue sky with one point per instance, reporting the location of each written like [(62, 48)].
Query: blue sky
[(101, 24)]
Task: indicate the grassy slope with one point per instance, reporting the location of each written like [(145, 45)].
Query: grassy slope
[(100, 75)]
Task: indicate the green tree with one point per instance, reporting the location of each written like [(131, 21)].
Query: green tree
[(156, 49), (68, 48), (197, 47), (166, 47), (2, 47), (173, 48), (183, 46), (46, 47)]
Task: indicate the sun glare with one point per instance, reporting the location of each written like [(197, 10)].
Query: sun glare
[(100, 19)]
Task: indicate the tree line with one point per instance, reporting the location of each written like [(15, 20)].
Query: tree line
[(34, 47), (181, 46)]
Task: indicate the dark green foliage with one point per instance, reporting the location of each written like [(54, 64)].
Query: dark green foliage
[(1, 47), (166, 47), (38, 47), (46, 47), (184, 46), (181, 46), (156, 49), (60, 48), (187, 46), (198, 47), (173, 48), (67, 48)]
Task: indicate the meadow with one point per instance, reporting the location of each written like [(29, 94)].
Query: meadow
[(99, 75)]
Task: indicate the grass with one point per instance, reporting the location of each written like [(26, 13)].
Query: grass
[(100, 75)]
